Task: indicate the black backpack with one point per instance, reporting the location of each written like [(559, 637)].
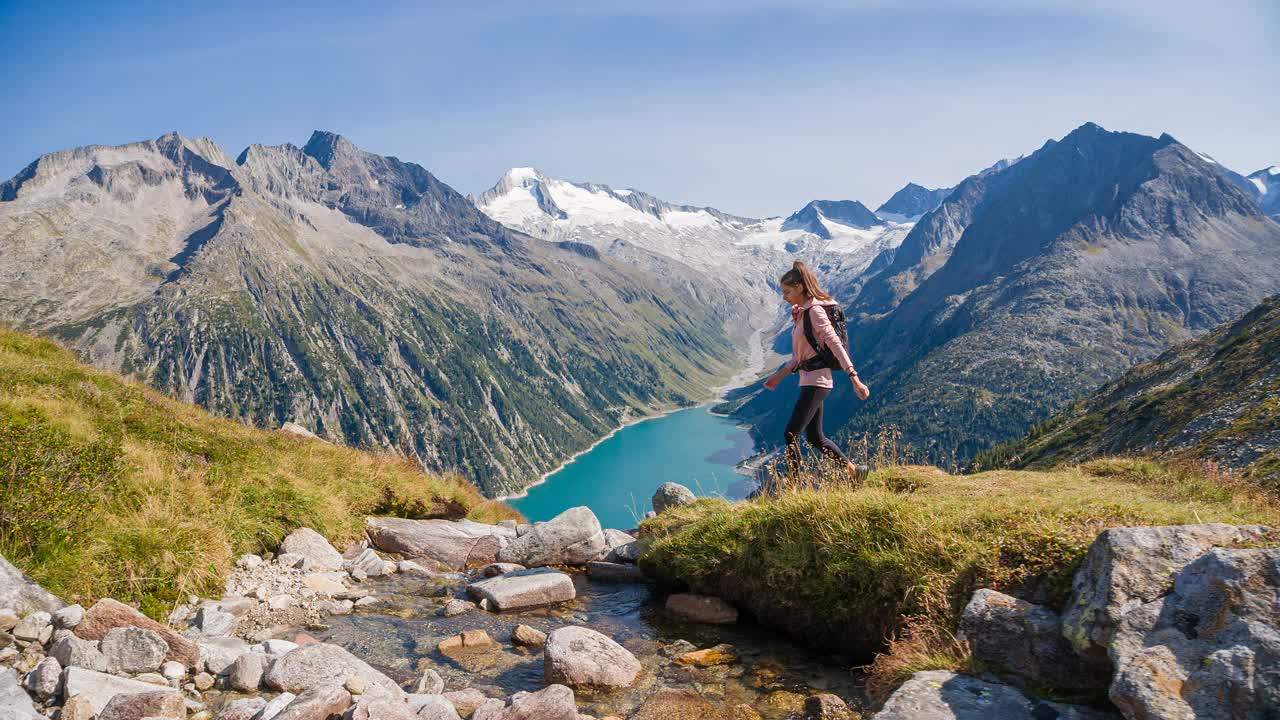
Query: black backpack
[(825, 357)]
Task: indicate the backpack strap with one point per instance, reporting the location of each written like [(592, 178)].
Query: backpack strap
[(808, 330)]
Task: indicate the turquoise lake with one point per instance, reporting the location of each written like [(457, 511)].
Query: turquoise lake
[(617, 477)]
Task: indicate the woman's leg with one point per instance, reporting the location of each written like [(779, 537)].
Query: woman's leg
[(814, 433), (807, 404)]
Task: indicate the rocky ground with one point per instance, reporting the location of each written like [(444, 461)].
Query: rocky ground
[(1173, 622)]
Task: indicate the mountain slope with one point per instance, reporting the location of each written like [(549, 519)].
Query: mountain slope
[(1096, 252), (1266, 184), (352, 293), (1216, 398)]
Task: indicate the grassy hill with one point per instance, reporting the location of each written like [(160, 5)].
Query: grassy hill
[(108, 488)]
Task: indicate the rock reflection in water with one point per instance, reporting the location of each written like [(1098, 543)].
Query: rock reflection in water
[(399, 634)]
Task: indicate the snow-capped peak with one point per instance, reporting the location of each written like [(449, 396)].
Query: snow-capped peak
[(519, 176), (1273, 170)]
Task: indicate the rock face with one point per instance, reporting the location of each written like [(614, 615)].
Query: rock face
[(574, 537), (1208, 649), (669, 495), (314, 547), (524, 589), (316, 664), (22, 594), (702, 608), (452, 544), (1129, 567), (1024, 641), (941, 695), (107, 614), (583, 658)]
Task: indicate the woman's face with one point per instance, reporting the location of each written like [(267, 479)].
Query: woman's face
[(793, 294)]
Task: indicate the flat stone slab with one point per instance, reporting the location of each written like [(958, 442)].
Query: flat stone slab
[(99, 688), (524, 589), (453, 544)]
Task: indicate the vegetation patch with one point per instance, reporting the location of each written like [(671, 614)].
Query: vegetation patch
[(108, 488)]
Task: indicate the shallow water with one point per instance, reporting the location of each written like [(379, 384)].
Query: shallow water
[(399, 634), (617, 478)]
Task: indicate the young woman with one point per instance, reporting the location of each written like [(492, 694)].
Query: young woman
[(800, 289)]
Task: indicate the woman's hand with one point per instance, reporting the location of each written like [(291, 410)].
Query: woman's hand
[(859, 388), (773, 380)]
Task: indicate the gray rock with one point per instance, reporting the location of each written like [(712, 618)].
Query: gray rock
[(291, 560), (241, 709), (277, 647), (313, 547), (629, 553), (133, 650), (21, 594), (614, 572), (318, 703), (369, 562), (217, 654), (453, 544), (151, 704), (614, 539), (524, 589), (15, 704), (75, 652), (669, 495), (246, 672), (702, 609), (1210, 648), (31, 627), (98, 687), (249, 561), (573, 537), (275, 705), (107, 614), (44, 679), (203, 681), (455, 608), (432, 706), (491, 708), (68, 617), (583, 658), (496, 569), (554, 702), (173, 670), (942, 695), (215, 623), (429, 683), (153, 678), (315, 664), (75, 708), (1024, 642), (411, 567), (1128, 567)]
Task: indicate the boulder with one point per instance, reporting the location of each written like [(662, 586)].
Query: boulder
[(429, 683), (32, 627), (275, 705), (216, 623), (1024, 642), (317, 703), (466, 641), (152, 704), (370, 708), (826, 706), (247, 671), (77, 652), (614, 572), (528, 637), (1128, 567), (324, 583), (453, 544), (432, 706), (629, 553), (218, 654), (318, 554), (15, 704), (98, 688), (554, 702), (8, 618), (1210, 648), (277, 647), (133, 650), (171, 670), (573, 537), (466, 701), (22, 594), (107, 614), (702, 609), (583, 658), (369, 563), (614, 539), (942, 695), (203, 681), (75, 708), (524, 589), (316, 664), (241, 709), (454, 608), (43, 680), (669, 495), (68, 617)]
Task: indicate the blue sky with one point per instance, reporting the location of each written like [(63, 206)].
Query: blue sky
[(753, 107)]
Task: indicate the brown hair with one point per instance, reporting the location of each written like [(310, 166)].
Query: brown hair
[(801, 275)]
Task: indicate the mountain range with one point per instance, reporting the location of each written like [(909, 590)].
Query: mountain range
[(354, 294)]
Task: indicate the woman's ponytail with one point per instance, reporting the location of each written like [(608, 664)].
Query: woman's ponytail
[(801, 275)]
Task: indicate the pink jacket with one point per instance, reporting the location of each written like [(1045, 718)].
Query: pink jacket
[(826, 336)]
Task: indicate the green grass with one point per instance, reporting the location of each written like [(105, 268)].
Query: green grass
[(847, 568), (108, 488)]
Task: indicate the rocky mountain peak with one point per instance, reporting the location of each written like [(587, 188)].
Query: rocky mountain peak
[(327, 146), (845, 212)]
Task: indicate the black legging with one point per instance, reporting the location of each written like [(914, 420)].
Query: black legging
[(807, 418)]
